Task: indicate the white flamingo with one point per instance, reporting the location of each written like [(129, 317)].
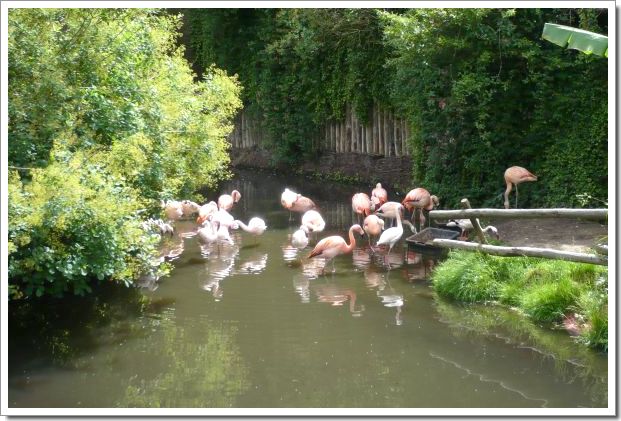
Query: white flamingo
[(392, 235), (299, 239), (256, 226)]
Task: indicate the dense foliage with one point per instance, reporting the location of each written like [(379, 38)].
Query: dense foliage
[(544, 290), (105, 119), (482, 91)]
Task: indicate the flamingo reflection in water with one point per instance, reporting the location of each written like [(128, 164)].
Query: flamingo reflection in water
[(220, 258), (337, 295), (380, 282), (254, 264)]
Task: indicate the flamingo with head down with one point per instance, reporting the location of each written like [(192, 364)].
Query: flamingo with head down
[(379, 196), (420, 198), (373, 226), (361, 205), (514, 176), (332, 246)]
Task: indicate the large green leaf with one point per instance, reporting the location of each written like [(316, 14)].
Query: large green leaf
[(578, 39)]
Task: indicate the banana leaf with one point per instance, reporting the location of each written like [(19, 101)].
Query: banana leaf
[(578, 39)]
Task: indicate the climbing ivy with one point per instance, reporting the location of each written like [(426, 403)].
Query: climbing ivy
[(480, 88)]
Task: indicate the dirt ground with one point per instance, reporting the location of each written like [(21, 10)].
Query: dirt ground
[(561, 234)]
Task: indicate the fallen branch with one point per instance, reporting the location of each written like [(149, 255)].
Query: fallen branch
[(523, 251)]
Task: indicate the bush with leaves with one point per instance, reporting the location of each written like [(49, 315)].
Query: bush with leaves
[(108, 115)]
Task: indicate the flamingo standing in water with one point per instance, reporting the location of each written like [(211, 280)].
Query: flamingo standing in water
[(205, 211), (299, 239), (361, 205), (332, 246), (392, 235), (373, 226), (173, 209), (389, 210), (227, 201), (189, 208), (313, 221), (256, 226), (514, 176), (295, 202), (379, 196), (207, 233), (420, 198)]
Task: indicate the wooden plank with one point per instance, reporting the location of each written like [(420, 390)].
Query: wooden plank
[(523, 251), (595, 214)]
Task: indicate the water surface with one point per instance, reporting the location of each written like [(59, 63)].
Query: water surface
[(256, 324)]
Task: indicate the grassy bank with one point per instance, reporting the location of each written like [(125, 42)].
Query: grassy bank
[(547, 291)]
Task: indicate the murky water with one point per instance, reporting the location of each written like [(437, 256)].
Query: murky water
[(255, 324)]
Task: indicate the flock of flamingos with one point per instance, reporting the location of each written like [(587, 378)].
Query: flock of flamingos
[(215, 220)]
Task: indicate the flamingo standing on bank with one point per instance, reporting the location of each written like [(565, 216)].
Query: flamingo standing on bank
[(392, 235), (466, 225), (332, 246), (379, 196), (373, 226), (299, 239), (361, 205), (313, 221), (420, 198), (514, 176), (256, 226), (227, 201)]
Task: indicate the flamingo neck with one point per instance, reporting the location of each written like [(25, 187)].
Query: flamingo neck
[(352, 240), (399, 220), (243, 226)]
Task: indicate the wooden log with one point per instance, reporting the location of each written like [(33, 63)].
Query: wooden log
[(465, 203), (594, 214), (509, 251)]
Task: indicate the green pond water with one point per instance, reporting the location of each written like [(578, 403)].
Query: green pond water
[(255, 324)]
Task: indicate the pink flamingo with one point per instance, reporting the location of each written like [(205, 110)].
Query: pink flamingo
[(379, 196), (205, 211), (373, 226), (361, 205), (332, 246), (389, 210), (226, 201), (516, 175), (420, 198)]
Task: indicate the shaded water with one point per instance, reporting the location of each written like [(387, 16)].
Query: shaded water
[(254, 324)]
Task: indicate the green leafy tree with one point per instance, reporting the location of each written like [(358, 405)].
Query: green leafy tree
[(109, 117)]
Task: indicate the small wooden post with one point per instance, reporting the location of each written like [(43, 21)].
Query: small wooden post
[(465, 203)]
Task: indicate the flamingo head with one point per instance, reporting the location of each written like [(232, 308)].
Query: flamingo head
[(435, 200), (358, 229), (378, 186), (492, 231), (236, 196)]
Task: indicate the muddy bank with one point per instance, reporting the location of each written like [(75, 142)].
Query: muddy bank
[(392, 172)]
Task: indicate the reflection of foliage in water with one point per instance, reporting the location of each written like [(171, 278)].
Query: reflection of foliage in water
[(58, 330), (571, 361), (202, 371)]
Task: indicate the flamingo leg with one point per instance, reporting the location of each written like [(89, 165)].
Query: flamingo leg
[(333, 268), (507, 191), (516, 195)]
